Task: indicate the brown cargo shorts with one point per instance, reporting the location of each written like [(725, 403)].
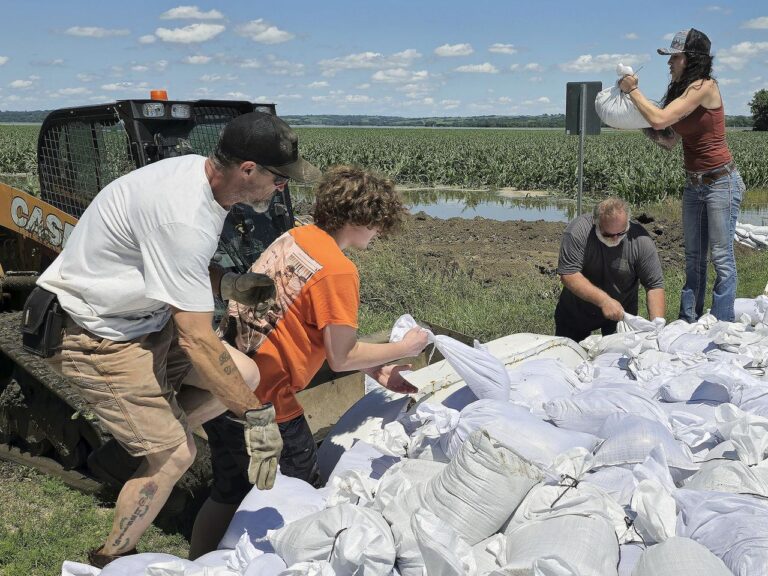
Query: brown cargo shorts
[(131, 386)]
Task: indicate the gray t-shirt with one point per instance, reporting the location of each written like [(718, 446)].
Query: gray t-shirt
[(616, 270)]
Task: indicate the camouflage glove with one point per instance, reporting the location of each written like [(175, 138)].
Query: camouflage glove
[(263, 444), (250, 289)]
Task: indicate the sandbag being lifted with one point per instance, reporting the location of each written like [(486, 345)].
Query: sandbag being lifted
[(616, 109)]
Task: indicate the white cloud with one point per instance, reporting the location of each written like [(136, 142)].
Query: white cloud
[(601, 62), (728, 81), (278, 67), (139, 68), (631, 36), (190, 34), (125, 87), (190, 13), (502, 48), (147, 39), (289, 97), (86, 77), (240, 96), (338, 97), (249, 63), (760, 23), (543, 100), (533, 67), (668, 37), (450, 104), (161, 65), (217, 77), (449, 50), (21, 84), (400, 75), (263, 33), (363, 86), (739, 55), (484, 68), (357, 98), (535, 79), (321, 84), (197, 59), (71, 91), (514, 67), (368, 60), (3, 60), (95, 32)]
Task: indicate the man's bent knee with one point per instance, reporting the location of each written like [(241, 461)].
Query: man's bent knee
[(174, 461)]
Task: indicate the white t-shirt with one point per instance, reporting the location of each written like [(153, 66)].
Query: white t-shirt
[(144, 243)]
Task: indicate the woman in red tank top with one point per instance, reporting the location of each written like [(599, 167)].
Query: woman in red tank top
[(692, 111)]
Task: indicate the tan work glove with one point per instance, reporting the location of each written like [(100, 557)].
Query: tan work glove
[(263, 444), (250, 289)]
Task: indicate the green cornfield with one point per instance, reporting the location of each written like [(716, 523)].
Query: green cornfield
[(617, 162)]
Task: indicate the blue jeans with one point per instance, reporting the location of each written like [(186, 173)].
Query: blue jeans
[(709, 222)]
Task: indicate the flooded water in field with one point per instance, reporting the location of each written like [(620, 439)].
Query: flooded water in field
[(503, 205), (449, 203)]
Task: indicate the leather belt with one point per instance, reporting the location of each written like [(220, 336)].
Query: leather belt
[(709, 177)]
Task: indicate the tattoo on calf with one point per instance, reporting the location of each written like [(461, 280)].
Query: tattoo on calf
[(147, 493)]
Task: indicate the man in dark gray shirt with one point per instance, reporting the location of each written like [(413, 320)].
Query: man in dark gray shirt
[(603, 258)]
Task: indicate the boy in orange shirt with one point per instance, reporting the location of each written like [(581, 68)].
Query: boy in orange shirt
[(313, 319)]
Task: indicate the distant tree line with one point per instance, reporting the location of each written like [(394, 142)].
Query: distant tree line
[(541, 121)]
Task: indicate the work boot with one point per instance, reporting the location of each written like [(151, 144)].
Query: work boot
[(99, 560)]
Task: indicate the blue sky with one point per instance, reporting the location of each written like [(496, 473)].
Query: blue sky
[(405, 58)]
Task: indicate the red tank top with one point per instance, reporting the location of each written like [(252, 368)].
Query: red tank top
[(703, 134)]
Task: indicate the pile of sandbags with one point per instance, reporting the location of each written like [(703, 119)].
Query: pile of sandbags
[(649, 458)]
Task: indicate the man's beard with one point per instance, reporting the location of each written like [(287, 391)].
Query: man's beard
[(610, 242), (260, 206)]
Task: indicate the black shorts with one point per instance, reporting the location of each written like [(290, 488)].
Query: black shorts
[(229, 459)]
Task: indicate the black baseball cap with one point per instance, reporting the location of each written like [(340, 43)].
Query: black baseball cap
[(691, 41), (267, 140)]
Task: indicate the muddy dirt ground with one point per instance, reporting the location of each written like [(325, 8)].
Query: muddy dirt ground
[(493, 250)]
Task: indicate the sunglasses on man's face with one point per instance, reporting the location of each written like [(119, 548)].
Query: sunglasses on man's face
[(279, 178), (617, 235)]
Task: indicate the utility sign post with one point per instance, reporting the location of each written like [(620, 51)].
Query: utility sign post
[(580, 119)]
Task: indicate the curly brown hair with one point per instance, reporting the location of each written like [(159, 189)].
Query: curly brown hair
[(351, 195)]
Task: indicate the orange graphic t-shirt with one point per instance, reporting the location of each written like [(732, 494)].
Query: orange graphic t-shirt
[(316, 285)]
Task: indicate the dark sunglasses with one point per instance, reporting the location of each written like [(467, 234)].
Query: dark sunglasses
[(279, 178), (617, 235)]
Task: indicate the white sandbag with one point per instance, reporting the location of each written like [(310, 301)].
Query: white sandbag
[(587, 544), (443, 551), (616, 482), (586, 411), (629, 554), (538, 380), (317, 536), (480, 488), (485, 374), (616, 109), (364, 458), (265, 565), (515, 427), (290, 499), (629, 439), (490, 554), (139, 563), (310, 568), (586, 499), (733, 527), (69, 568), (656, 511), (627, 343), (747, 432), (679, 336), (401, 477), (679, 557), (632, 323), (694, 424), (735, 477)]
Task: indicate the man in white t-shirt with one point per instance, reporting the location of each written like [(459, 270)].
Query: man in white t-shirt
[(135, 282)]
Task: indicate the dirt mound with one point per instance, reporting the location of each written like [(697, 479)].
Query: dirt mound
[(492, 250)]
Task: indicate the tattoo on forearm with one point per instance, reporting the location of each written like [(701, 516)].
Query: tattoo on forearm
[(147, 493), (225, 361)]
